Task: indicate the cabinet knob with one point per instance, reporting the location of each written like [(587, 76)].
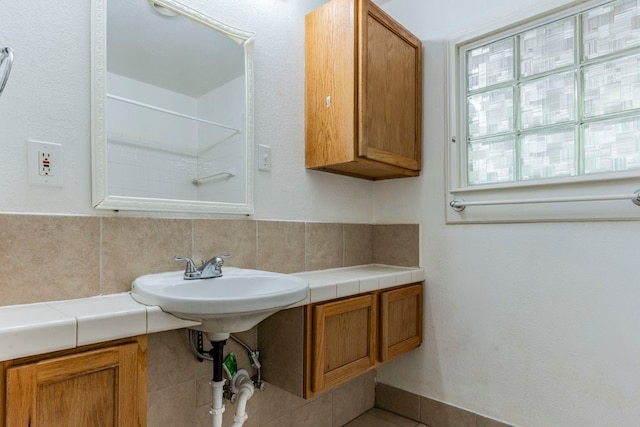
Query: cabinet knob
[(327, 102)]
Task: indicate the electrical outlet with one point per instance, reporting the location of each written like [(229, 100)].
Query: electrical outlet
[(45, 163)]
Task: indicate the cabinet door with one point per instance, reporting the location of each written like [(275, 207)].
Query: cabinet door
[(330, 97), (343, 340), (400, 321), (390, 90), (95, 388)]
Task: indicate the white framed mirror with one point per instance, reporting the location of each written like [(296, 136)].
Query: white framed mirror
[(171, 110)]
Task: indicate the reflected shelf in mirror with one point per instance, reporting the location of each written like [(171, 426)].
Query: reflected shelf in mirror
[(173, 113)]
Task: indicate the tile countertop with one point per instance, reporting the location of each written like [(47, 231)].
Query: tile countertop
[(341, 282), (38, 328)]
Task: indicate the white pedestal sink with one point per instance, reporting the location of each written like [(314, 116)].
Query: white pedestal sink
[(235, 302)]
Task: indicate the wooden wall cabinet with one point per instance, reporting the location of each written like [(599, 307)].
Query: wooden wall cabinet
[(90, 386), (307, 350), (363, 92)]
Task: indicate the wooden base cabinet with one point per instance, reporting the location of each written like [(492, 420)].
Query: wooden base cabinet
[(341, 341), (363, 92), (90, 386), (400, 321), (307, 350)]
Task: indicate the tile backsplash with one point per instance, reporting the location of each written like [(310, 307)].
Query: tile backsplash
[(49, 258)]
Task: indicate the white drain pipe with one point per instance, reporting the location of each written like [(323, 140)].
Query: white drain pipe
[(217, 408), (245, 388)]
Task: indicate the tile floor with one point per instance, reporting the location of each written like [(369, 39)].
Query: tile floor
[(380, 418)]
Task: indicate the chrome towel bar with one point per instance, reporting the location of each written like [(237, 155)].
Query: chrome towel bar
[(459, 204), (228, 173)]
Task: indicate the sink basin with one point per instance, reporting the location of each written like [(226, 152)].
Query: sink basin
[(235, 302)]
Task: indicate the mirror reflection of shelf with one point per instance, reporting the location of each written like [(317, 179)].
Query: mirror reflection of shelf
[(148, 146), (202, 150), (174, 113)]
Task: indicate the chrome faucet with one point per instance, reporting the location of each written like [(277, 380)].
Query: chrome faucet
[(209, 269)]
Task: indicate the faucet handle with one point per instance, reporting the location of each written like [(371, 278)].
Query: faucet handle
[(221, 257), (213, 267), (190, 269), (217, 260)]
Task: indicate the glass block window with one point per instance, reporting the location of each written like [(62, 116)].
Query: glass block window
[(553, 100)]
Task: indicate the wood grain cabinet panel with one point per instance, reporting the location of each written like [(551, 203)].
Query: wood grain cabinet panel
[(400, 321), (363, 92), (92, 387), (310, 349), (342, 341)]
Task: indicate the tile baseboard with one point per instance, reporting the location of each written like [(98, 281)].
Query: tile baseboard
[(428, 411)]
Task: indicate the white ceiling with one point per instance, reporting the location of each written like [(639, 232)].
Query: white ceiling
[(175, 52)]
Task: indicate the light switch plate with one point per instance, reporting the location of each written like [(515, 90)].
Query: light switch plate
[(264, 157)]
